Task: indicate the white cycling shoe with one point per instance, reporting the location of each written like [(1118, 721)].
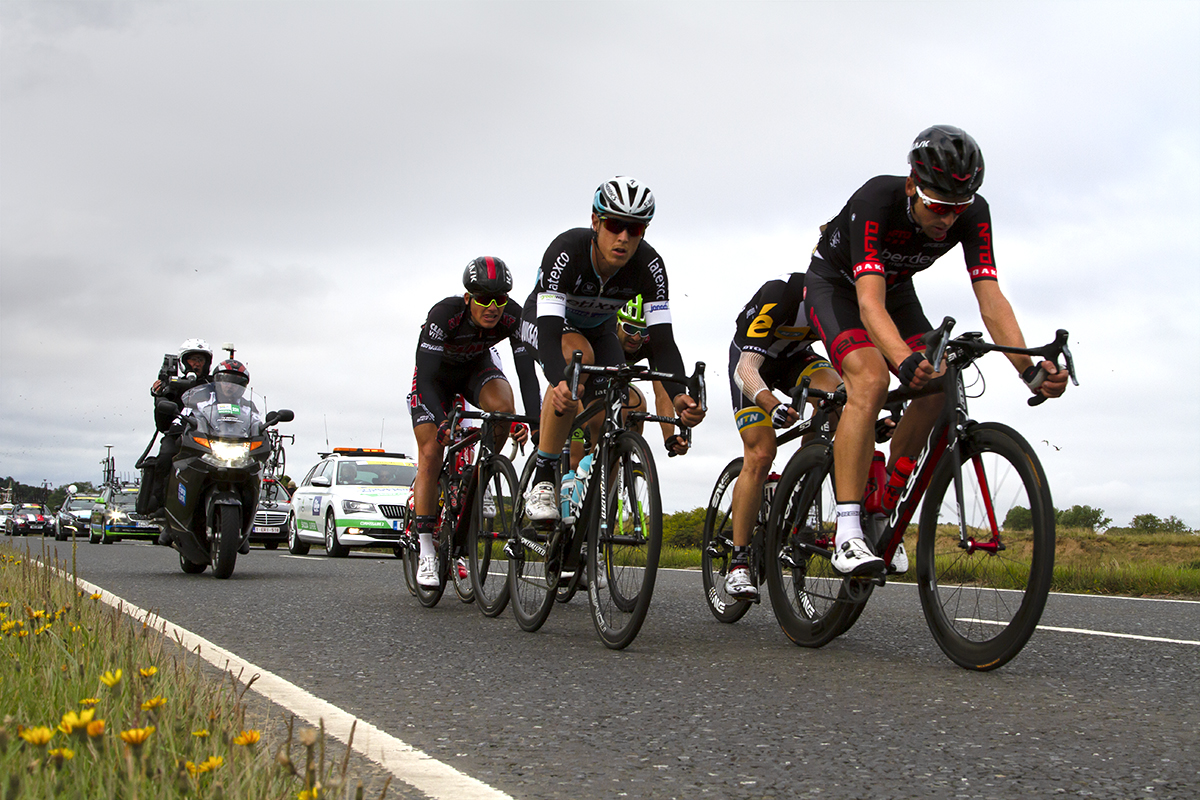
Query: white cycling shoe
[(427, 572), (899, 564), (541, 502), (853, 557)]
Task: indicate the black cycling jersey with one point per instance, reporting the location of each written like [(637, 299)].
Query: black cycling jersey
[(450, 339), (569, 292), (875, 233), (775, 322)]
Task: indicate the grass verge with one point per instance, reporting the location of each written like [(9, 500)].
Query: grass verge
[(97, 705)]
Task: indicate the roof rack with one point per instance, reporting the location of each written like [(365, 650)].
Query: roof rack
[(361, 451)]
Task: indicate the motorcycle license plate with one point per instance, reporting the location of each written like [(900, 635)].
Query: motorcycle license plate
[(266, 529)]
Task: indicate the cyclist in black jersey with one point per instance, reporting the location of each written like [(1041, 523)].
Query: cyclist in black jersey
[(587, 275), (635, 342), (861, 300), (772, 348), (455, 357)]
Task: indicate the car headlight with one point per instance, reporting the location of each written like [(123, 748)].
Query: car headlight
[(356, 507), (228, 454)]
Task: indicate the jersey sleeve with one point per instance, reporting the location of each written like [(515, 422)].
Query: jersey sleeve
[(977, 241), (868, 218), (430, 349)]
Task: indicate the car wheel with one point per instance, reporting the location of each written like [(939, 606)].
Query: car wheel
[(332, 546), (295, 546), (93, 537), (59, 535)]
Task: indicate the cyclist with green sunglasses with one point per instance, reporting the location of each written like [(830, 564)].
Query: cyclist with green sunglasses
[(635, 341)]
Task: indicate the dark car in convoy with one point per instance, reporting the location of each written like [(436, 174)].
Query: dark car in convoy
[(26, 519), (75, 516), (273, 517), (114, 518)]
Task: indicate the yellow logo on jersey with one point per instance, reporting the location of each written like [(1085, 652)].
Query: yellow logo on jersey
[(761, 325)]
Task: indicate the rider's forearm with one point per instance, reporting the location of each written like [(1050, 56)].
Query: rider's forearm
[(1001, 322)]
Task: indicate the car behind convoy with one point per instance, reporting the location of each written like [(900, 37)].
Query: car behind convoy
[(26, 519), (75, 516), (113, 518), (353, 498)]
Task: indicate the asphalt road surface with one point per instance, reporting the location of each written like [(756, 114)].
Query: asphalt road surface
[(699, 709)]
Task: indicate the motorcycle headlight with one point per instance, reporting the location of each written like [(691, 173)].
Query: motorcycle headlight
[(229, 454)]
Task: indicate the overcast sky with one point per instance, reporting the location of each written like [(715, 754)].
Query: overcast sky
[(307, 179)]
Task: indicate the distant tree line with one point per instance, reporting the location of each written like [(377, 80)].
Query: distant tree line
[(1020, 518), (52, 497)]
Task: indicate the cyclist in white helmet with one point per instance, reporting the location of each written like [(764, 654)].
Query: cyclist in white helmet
[(587, 275)]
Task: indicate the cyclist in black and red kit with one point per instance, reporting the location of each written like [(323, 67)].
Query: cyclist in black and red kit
[(587, 275), (455, 357), (861, 300)]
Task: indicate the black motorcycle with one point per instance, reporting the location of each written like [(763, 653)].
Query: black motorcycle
[(212, 490)]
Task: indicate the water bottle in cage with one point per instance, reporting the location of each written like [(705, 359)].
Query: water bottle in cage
[(769, 488)]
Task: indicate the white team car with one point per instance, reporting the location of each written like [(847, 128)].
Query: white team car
[(353, 498)]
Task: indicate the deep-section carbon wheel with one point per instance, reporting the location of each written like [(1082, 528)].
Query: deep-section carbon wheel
[(623, 553), (983, 597), (492, 526), (809, 598), (717, 548)]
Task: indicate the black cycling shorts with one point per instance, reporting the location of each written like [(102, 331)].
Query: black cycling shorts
[(833, 313), (466, 379)]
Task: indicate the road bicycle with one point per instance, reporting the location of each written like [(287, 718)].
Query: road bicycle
[(982, 586), (276, 466), (716, 548), (614, 533), (476, 504)]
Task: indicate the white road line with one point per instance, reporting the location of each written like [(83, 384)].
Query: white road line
[(439, 781), (1088, 632)]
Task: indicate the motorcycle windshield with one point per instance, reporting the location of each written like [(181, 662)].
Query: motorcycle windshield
[(225, 410)]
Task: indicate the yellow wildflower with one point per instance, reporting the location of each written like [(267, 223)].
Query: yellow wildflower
[(190, 767), (8, 626), (88, 702), (61, 754), (247, 738), (22, 634), (148, 672), (95, 728), (72, 720), (201, 734), (210, 763), (41, 630), (153, 703), (38, 737), (5, 604), (97, 596), (136, 737), (309, 794), (39, 614), (111, 679)]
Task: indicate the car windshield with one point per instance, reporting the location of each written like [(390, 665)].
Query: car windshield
[(371, 472), (125, 501), (81, 503), (225, 410)]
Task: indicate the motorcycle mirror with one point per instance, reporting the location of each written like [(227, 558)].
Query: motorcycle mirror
[(282, 415)]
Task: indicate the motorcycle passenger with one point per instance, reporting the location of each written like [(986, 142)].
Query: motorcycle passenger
[(195, 358), (587, 274), (772, 348), (635, 341), (455, 357), (860, 297)]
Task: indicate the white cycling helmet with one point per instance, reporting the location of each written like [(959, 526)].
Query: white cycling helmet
[(624, 197), (193, 347)]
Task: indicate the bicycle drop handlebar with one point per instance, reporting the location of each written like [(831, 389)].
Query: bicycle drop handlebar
[(969, 346)]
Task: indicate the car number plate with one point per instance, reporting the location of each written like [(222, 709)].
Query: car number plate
[(266, 529)]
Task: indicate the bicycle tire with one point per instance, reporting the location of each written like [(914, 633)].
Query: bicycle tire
[(487, 536), (982, 606), (429, 596), (567, 588), (529, 592), (716, 549), (628, 547), (811, 600)]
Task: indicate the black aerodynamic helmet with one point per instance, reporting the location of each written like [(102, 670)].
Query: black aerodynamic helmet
[(623, 196), (946, 159), (487, 275)]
